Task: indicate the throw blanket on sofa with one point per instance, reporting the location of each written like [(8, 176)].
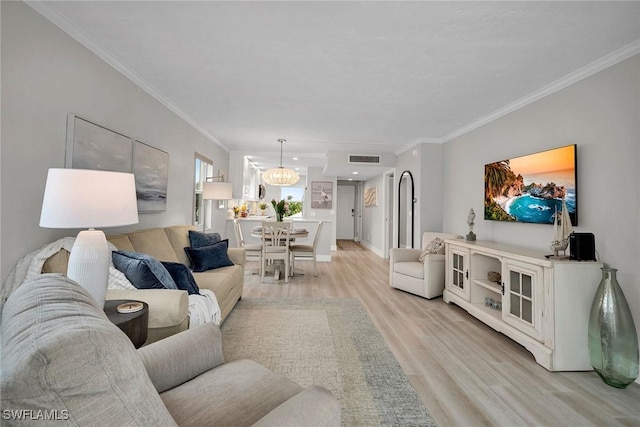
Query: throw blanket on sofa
[(203, 308)]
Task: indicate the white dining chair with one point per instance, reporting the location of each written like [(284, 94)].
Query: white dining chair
[(306, 252), (253, 250), (275, 246)]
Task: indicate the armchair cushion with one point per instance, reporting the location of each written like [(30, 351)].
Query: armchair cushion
[(412, 269)]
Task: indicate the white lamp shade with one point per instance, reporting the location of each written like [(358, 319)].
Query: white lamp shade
[(79, 198), (280, 176), (217, 191)]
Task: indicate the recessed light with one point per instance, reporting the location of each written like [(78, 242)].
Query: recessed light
[(355, 173), (350, 179), (295, 158)]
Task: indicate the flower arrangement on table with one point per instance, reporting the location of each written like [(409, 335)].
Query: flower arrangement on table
[(236, 211), (281, 208)]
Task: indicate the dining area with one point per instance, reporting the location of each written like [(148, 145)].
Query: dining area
[(278, 245)]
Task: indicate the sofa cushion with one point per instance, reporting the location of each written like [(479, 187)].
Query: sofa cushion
[(57, 263), (199, 240), (413, 269), (209, 257), (239, 393), (220, 281), (143, 271), (60, 352), (181, 274), (178, 236), (121, 242), (153, 242)]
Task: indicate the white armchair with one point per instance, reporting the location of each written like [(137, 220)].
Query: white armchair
[(407, 273)]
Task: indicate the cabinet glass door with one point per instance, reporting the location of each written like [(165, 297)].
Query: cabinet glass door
[(458, 272), (522, 302)]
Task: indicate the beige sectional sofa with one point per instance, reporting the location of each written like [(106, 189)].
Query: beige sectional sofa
[(168, 308), (62, 357)]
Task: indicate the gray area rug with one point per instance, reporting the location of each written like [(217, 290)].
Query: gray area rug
[(329, 342)]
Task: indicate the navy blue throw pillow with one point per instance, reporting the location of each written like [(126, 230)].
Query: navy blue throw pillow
[(209, 257), (142, 270), (182, 276), (199, 240)]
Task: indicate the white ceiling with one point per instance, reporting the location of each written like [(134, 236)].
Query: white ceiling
[(362, 77)]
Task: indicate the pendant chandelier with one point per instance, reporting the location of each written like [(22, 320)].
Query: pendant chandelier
[(280, 176)]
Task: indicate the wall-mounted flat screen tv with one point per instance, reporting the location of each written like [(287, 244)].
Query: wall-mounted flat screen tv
[(531, 188)]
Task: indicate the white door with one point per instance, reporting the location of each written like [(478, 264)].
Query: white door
[(345, 212)]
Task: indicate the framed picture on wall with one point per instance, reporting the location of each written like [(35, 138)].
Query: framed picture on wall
[(370, 197), (151, 168), (91, 146), (321, 194)]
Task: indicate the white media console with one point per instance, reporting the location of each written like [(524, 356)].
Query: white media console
[(541, 303)]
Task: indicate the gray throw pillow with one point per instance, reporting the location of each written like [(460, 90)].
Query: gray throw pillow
[(209, 257), (142, 270), (199, 240)]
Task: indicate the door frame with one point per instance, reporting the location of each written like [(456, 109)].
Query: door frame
[(357, 226), (389, 209)]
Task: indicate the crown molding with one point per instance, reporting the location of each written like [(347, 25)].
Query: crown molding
[(48, 10), (601, 64)]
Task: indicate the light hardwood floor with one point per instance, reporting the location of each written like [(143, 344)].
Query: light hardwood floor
[(466, 373)]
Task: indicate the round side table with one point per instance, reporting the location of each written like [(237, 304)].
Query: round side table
[(134, 325)]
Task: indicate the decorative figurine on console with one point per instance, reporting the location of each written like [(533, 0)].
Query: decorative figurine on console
[(470, 218)]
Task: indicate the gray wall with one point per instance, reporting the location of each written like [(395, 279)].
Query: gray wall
[(47, 75), (601, 114), (373, 218)]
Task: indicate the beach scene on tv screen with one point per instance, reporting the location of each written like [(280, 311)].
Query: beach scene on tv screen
[(531, 188)]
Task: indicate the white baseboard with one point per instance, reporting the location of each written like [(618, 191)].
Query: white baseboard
[(373, 249)]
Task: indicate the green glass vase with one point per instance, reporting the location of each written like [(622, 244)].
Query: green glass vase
[(613, 341)]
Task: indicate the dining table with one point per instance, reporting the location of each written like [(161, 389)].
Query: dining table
[(296, 233)]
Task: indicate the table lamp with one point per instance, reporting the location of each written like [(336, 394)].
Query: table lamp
[(79, 198)]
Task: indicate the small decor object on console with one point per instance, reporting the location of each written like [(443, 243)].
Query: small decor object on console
[(613, 341), (470, 218), (561, 233), (494, 276)]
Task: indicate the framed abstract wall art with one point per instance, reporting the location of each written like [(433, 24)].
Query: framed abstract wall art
[(93, 146), (370, 197), (151, 168)]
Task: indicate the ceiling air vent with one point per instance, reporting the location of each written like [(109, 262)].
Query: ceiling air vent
[(364, 159)]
